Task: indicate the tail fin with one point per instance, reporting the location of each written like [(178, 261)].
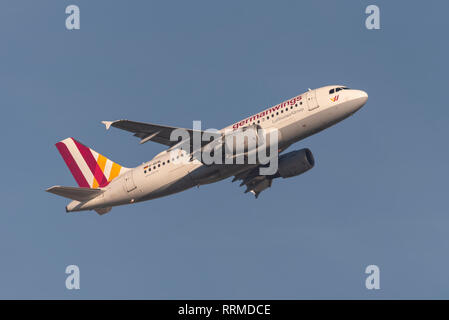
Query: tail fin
[(89, 168)]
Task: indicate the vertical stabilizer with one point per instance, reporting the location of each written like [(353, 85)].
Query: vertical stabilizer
[(89, 168)]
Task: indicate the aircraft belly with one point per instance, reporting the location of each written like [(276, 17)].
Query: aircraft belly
[(214, 173), (311, 124)]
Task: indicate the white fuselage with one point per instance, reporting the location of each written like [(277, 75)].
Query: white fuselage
[(295, 119)]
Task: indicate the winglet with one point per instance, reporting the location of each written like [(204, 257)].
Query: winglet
[(107, 124)]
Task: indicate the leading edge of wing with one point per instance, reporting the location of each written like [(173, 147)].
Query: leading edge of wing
[(154, 132)]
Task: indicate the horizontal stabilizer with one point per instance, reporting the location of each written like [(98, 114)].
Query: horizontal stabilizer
[(74, 193)]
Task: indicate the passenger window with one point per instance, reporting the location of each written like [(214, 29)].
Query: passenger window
[(338, 89)]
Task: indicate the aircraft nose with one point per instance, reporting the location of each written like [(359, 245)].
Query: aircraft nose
[(361, 97)]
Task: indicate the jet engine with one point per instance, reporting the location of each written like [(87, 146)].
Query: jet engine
[(289, 165), (247, 145), (243, 140), (295, 163), (251, 142)]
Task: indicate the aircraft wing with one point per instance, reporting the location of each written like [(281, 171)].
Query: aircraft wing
[(255, 183), (154, 132)]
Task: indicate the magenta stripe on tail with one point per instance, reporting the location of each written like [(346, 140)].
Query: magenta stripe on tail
[(70, 162), (92, 164)]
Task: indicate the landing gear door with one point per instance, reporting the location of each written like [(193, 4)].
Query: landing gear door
[(129, 181), (311, 100)]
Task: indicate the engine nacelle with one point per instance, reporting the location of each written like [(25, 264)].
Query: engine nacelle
[(247, 145), (242, 141), (295, 163)]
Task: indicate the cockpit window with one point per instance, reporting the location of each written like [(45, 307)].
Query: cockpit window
[(331, 91)]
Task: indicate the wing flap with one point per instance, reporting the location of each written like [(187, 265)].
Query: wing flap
[(255, 183)]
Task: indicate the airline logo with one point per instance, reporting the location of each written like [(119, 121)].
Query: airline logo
[(89, 168), (262, 114), (334, 99)]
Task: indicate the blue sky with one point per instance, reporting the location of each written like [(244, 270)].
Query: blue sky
[(377, 194)]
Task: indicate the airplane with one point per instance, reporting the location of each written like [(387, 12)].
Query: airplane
[(104, 184)]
